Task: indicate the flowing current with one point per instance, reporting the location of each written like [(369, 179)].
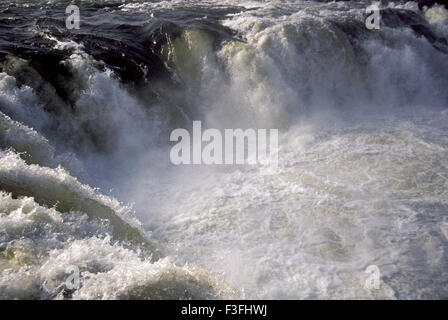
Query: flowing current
[(86, 179)]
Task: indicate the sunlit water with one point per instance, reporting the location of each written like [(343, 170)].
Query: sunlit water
[(363, 161)]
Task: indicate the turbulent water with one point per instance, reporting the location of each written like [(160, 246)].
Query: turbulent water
[(86, 179)]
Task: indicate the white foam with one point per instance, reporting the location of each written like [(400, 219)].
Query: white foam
[(40, 244)]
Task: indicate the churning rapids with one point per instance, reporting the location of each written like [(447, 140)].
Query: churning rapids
[(85, 175)]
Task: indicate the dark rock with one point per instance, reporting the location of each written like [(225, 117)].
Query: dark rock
[(397, 18), (430, 3), (394, 18)]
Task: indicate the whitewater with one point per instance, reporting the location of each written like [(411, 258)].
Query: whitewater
[(85, 172)]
